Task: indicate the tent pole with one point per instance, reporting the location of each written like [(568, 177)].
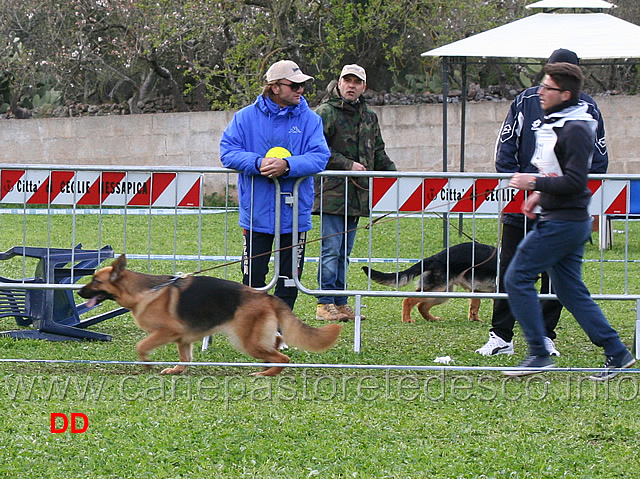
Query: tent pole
[(463, 122), (463, 129), (445, 96), (445, 134)]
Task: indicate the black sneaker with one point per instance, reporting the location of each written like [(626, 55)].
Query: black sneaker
[(621, 361), (540, 363)]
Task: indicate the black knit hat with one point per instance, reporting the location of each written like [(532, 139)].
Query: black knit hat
[(562, 55)]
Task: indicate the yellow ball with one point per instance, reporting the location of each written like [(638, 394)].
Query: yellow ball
[(277, 152)]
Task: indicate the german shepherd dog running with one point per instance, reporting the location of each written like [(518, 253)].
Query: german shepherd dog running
[(183, 310), (472, 266)]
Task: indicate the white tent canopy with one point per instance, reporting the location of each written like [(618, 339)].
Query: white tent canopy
[(571, 4), (589, 35)]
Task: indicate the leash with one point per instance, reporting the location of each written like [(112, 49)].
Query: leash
[(380, 219), (460, 232), (172, 280)]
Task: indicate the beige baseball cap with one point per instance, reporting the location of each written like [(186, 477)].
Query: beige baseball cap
[(286, 70), (356, 70)]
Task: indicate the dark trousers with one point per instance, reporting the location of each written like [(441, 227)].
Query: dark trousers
[(256, 253), (557, 247), (503, 321)]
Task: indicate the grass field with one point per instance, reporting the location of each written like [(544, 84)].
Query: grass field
[(329, 423)]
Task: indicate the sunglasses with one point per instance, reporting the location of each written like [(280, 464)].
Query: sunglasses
[(549, 88), (293, 86)]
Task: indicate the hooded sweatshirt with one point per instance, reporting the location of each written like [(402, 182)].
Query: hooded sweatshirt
[(564, 147), (515, 148)]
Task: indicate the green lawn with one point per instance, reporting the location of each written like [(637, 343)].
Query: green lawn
[(330, 423)]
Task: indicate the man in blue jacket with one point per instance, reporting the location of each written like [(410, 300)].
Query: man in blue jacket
[(514, 150), (278, 136)]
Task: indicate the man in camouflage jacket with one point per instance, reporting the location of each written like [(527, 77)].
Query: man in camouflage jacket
[(353, 134)]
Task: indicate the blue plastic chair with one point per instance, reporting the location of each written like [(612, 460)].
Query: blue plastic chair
[(54, 314)]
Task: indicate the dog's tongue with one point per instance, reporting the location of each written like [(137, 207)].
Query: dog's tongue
[(92, 302)]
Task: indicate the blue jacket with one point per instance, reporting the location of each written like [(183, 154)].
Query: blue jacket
[(252, 132)]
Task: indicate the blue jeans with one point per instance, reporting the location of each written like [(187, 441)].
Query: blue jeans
[(556, 247), (334, 254)]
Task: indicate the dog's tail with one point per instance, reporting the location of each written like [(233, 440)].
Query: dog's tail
[(299, 334), (399, 279)]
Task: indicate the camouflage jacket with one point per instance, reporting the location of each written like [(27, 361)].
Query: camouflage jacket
[(353, 134)]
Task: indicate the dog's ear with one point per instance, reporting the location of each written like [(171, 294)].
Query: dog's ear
[(117, 267)]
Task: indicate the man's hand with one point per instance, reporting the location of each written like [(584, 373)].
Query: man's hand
[(357, 167), (523, 181), (530, 204), (273, 167)]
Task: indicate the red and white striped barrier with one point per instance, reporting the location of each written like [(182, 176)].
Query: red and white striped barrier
[(95, 188), (469, 195)]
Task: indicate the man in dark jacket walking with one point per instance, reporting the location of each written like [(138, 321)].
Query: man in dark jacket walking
[(564, 148), (514, 149), (353, 134)]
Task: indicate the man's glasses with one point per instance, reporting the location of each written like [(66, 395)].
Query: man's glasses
[(549, 88), (293, 86)]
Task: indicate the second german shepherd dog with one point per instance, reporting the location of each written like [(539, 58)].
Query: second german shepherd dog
[(472, 266), (183, 310)]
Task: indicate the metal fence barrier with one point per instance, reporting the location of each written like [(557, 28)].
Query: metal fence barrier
[(474, 202), (165, 223)]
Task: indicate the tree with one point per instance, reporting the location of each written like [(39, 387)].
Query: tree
[(212, 54)]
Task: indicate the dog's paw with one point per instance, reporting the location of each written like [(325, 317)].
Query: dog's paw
[(408, 320), (475, 318), (174, 370), (274, 371)]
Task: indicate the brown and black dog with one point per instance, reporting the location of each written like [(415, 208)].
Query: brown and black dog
[(472, 266), (183, 310)]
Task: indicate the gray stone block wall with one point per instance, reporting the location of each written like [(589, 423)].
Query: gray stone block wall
[(413, 135)]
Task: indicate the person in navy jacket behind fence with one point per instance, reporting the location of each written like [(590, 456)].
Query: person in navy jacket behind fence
[(278, 136), (514, 149)]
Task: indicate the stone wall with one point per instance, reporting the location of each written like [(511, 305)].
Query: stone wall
[(413, 135)]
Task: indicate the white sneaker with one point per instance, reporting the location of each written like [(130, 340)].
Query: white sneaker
[(551, 347), (496, 345)]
